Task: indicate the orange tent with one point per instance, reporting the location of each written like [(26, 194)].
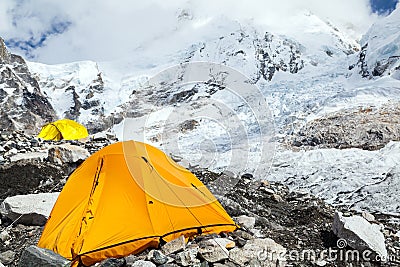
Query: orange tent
[(125, 198)]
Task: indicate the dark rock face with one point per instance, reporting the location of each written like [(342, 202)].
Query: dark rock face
[(86, 102), (380, 54), (24, 177), (386, 66), (23, 106), (74, 112), (362, 63), (285, 57), (4, 55), (183, 95), (375, 69), (188, 125)]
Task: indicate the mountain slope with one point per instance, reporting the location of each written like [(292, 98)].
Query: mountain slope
[(23, 106), (380, 53), (100, 94)]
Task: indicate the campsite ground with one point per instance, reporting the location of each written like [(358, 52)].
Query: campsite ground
[(297, 220)]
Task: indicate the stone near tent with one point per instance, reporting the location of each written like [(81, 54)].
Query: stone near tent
[(225, 242), (174, 246), (33, 209), (67, 153), (103, 136), (188, 257), (242, 234), (34, 256), (266, 251), (360, 234), (142, 263), (112, 262), (245, 221), (4, 236), (157, 257), (7, 257), (212, 251), (100, 136), (131, 259)]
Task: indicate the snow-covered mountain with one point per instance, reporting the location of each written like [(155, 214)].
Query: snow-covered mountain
[(304, 78), (87, 91), (380, 53)]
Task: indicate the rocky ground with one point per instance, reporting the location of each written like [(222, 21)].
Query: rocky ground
[(368, 128), (273, 219)]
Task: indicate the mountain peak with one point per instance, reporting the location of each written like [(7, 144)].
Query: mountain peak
[(23, 106), (4, 54)]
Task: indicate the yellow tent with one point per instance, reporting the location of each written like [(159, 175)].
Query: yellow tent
[(125, 198), (63, 129)]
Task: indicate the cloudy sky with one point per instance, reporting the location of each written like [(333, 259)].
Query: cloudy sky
[(55, 31)]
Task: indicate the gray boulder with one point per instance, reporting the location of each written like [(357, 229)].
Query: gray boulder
[(112, 262), (67, 153), (188, 257), (131, 259), (245, 221), (174, 246), (212, 251), (142, 263), (7, 257), (157, 257), (33, 256), (33, 209), (4, 235), (360, 234), (264, 251)]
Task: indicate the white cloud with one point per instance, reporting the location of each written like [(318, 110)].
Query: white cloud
[(105, 30), (5, 21)]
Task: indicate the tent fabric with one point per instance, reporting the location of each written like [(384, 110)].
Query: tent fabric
[(125, 198), (63, 129)]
